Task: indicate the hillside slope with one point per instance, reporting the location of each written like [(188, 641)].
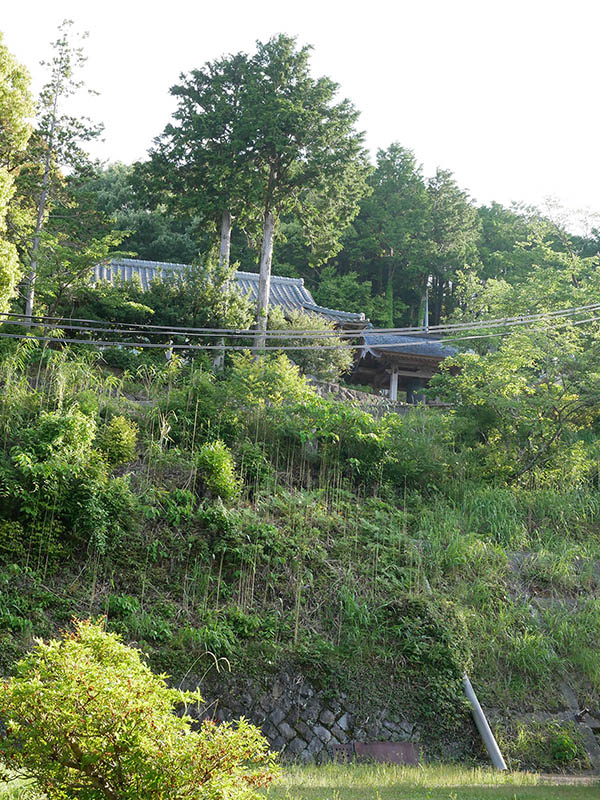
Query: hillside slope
[(307, 564)]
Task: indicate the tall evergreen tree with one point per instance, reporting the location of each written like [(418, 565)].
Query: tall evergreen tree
[(455, 233), (15, 108), (307, 155), (392, 234), (200, 165), (58, 141)]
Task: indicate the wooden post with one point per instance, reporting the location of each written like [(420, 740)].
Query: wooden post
[(394, 385)]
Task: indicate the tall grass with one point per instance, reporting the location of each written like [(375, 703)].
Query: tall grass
[(381, 776)]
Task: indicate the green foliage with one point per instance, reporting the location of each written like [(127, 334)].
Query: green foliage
[(522, 406), (410, 233), (151, 234), (86, 715), (207, 298), (347, 292), (389, 241), (255, 467), (15, 109), (54, 474), (117, 440), (217, 470), (266, 381), (309, 154), (543, 746), (61, 233), (321, 558), (322, 362), (433, 652)]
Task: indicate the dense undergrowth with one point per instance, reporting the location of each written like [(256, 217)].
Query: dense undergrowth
[(243, 518)]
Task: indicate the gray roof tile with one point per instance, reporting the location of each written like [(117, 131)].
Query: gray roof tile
[(424, 345), (290, 294)]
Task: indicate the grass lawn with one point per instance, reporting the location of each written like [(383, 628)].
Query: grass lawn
[(436, 782), (383, 782)]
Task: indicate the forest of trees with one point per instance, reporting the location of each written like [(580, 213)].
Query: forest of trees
[(237, 517), (262, 162)]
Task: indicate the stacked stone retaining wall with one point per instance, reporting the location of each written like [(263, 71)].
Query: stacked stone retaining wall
[(301, 722)]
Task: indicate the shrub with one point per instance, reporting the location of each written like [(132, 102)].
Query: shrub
[(216, 467), (543, 745), (322, 360), (267, 381), (255, 466), (55, 474), (55, 471), (86, 718), (118, 440), (125, 358)]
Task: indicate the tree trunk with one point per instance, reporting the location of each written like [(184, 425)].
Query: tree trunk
[(264, 280), (35, 249), (225, 248), (41, 210), (440, 301), (224, 257), (389, 294)]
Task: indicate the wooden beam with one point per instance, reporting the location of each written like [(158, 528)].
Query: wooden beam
[(418, 373)]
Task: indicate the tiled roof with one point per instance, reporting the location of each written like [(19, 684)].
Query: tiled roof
[(407, 345), (126, 269), (290, 294)]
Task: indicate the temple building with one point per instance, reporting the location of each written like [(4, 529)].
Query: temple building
[(388, 362)]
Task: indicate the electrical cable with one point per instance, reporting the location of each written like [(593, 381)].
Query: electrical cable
[(154, 330), (271, 348)]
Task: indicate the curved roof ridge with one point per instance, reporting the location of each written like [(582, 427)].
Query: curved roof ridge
[(349, 315), (142, 262), (278, 278)]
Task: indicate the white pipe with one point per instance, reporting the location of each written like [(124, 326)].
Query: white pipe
[(482, 726)]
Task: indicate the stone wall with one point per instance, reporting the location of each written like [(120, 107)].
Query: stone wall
[(301, 722)]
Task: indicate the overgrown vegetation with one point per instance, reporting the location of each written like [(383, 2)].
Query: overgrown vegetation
[(222, 515), (241, 516)]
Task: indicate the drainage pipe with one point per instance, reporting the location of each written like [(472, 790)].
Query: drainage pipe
[(482, 725)]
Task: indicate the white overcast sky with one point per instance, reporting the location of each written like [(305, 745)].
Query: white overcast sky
[(502, 92)]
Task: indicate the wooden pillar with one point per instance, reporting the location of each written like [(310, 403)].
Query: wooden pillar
[(394, 385)]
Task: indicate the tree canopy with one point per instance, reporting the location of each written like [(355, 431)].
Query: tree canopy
[(15, 109)]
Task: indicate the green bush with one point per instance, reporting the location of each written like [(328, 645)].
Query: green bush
[(12, 541), (85, 717), (55, 474), (544, 746), (323, 361), (118, 440), (125, 358), (266, 381), (254, 464), (217, 470)]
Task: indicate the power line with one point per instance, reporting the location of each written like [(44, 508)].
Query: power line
[(268, 348), (160, 330)]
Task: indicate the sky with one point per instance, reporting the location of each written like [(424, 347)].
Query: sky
[(502, 93)]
